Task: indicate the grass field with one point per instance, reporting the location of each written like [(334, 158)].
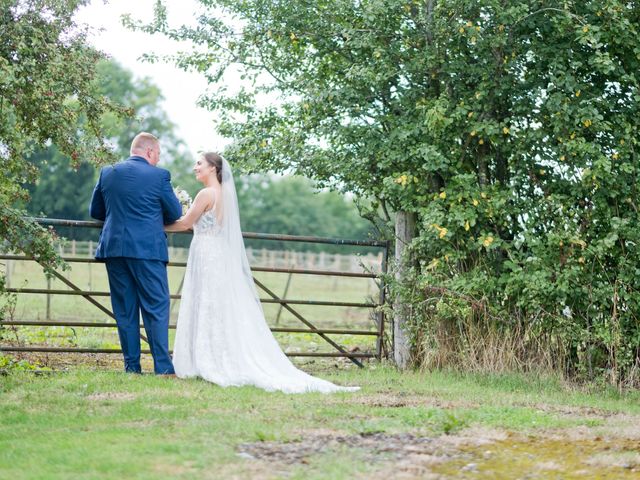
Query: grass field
[(101, 424), (93, 277)]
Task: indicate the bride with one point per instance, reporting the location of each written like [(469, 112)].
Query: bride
[(221, 334)]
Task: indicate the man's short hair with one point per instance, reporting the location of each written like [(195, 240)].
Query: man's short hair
[(144, 140)]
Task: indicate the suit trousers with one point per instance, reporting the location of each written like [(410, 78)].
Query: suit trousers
[(141, 286)]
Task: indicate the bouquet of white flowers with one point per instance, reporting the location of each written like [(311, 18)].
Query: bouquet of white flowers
[(183, 198)]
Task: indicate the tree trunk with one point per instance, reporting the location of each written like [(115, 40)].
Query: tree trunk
[(405, 231)]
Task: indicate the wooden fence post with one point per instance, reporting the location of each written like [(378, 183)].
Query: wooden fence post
[(48, 311), (7, 274), (405, 231)]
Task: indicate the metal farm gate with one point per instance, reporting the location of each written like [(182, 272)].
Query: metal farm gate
[(290, 305)]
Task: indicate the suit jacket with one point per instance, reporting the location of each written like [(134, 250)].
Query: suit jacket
[(135, 200)]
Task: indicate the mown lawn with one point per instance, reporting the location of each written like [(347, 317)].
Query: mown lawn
[(85, 423)]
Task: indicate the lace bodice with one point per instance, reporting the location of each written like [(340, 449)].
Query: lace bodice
[(207, 224)]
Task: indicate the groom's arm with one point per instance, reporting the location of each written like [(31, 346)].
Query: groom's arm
[(97, 207), (171, 208)]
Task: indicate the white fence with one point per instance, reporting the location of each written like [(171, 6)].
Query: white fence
[(264, 258)]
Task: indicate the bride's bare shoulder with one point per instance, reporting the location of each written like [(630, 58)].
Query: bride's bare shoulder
[(206, 196)]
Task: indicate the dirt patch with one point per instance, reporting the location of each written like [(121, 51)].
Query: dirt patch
[(373, 445), (618, 427), (121, 396), (62, 361), (472, 453), (395, 400), (570, 411)]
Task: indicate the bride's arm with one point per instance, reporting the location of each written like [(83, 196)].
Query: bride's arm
[(200, 203)]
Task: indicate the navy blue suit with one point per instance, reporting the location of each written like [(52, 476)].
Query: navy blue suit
[(135, 200)]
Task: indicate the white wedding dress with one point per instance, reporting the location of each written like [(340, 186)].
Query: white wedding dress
[(221, 334)]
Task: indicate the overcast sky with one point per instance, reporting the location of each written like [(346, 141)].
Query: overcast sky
[(180, 89)]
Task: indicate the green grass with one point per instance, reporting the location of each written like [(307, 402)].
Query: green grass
[(103, 425)]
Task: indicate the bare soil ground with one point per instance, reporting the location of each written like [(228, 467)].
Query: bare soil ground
[(608, 452)]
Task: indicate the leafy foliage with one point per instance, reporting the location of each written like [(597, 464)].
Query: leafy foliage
[(47, 97), (509, 129), (63, 190)]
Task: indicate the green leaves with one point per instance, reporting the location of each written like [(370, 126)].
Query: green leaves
[(46, 89), (509, 129)]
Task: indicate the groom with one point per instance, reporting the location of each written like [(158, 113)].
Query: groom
[(135, 199)]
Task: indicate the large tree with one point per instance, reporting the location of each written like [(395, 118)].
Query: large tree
[(507, 129), (47, 97), (63, 189)]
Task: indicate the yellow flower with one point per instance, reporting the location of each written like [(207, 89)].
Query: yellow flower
[(587, 123), (483, 195), (473, 39), (573, 135), (581, 260), (461, 30), (442, 232), (615, 156), (541, 171), (467, 226), (443, 195), (433, 264), (263, 143), (578, 93), (293, 36), (469, 24), (562, 158), (481, 141), (470, 114), (505, 130), (475, 202), (473, 133), (501, 28), (402, 180), (487, 241), (477, 29), (585, 29)]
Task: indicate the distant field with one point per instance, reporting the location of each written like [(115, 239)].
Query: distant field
[(93, 277)]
